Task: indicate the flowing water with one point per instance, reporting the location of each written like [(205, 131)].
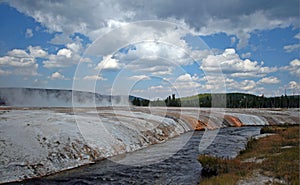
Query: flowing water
[(160, 163)]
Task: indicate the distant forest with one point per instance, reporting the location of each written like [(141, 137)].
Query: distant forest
[(230, 100)]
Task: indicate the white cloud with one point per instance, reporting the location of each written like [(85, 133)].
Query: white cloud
[(213, 82), (161, 51), (18, 53), (57, 76), (184, 78), (160, 58), (291, 48), (59, 61), (59, 17), (39, 82), (232, 40), (64, 52), (293, 68), (223, 84), (60, 39), (154, 70), (94, 77), (294, 87), (187, 77), (297, 36), (65, 57), (96, 18), (109, 63), (198, 55), (269, 80), (158, 88), (235, 18), (160, 91), (27, 58), (246, 55), (28, 33), (18, 62), (231, 64), (138, 91), (139, 77), (168, 71), (37, 52), (242, 25), (187, 85), (245, 85)]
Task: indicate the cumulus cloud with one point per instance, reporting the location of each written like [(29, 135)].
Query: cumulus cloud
[(171, 53), (57, 76), (245, 85), (213, 82), (139, 77), (60, 39), (159, 88), (159, 58), (108, 63), (269, 80), (183, 85), (293, 68), (297, 36), (246, 55), (167, 48), (65, 57), (158, 70), (237, 18), (94, 77), (294, 86), (18, 62), (37, 52), (291, 48), (158, 48), (26, 59), (28, 33), (232, 40), (59, 17), (65, 52), (187, 85), (231, 64), (58, 61), (187, 77)]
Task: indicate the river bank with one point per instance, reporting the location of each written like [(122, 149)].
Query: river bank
[(272, 159)]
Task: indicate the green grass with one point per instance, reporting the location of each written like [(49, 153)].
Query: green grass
[(278, 162)]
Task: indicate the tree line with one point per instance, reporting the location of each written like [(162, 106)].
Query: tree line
[(229, 100)]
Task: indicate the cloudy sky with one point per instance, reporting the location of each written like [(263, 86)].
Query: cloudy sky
[(151, 48)]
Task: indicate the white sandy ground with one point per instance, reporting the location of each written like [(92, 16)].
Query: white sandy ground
[(38, 142)]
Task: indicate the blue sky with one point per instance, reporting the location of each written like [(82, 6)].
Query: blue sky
[(151, 49)]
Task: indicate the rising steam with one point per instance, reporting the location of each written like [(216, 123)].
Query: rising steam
[(57, 98)]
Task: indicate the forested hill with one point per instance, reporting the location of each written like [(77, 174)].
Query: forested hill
[(231, 100)]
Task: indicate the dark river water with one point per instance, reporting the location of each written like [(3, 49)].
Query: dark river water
[(160, 163)]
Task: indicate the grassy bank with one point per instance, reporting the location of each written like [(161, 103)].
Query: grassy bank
[(275, 157)]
